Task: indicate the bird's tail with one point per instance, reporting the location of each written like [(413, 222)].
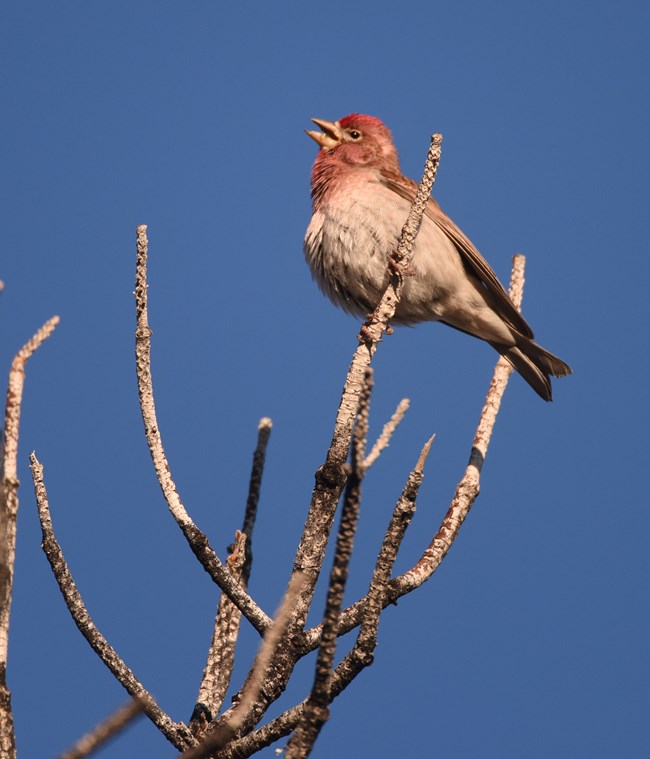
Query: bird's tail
[(535, 364)]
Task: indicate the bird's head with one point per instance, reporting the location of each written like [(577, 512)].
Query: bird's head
[(354, 142)]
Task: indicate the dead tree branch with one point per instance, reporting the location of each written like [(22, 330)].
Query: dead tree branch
[(387, 433), (465, 495), (176, 733), (237, 716), (196, 539), (221, 656), (316, 710), (8, 519)]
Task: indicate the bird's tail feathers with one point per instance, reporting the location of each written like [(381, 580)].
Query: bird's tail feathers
[(535, 364)]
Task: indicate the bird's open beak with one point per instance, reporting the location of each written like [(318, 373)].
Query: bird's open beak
[(331, 135)]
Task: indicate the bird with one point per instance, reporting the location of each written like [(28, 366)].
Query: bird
[(360, 201)]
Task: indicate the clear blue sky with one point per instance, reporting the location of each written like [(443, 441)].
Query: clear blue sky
[(531, 640)]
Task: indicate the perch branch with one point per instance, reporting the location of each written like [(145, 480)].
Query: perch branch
[(176, 733), (332, 475), (197, 540)]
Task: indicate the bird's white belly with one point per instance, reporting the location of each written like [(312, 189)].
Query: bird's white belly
[(348, 244)]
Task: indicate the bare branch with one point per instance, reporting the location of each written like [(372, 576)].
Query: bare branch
[(176, 733), (360, 434), (197, 540), (263, 435), (103, 732), (316, 710), (468, 488), (399, 521), (250, 693), (389, 428), (8, 518), (466, 491), (221, 656)]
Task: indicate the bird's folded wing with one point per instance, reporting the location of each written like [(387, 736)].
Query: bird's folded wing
[(472, 259)]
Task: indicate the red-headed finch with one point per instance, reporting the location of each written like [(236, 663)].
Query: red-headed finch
[(360, 203)]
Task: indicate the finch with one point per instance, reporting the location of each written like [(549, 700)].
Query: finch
[(360, 201)]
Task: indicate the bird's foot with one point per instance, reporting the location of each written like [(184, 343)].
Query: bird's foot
[(401, 268), (367, 333)]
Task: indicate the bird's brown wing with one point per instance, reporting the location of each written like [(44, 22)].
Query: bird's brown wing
[(472, 259)]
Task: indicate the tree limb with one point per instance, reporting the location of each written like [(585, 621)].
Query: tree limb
[(8, 519), (176, 733), (196, 539)]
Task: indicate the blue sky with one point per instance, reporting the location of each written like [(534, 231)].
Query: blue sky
[(531, 640)]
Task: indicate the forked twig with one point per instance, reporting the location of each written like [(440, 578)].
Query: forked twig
[(250, 693), (221, 655)]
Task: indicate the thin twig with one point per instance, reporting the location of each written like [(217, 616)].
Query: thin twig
[(8, 518), (399, 521), (103, 732), (9, 513), (221, 656), (176, 733), (263, 435), (196, 539), (464, 497), (389, 428), (225, 731), (469, 486)]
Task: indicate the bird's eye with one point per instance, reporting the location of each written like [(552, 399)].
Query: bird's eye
[(355, 134)]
